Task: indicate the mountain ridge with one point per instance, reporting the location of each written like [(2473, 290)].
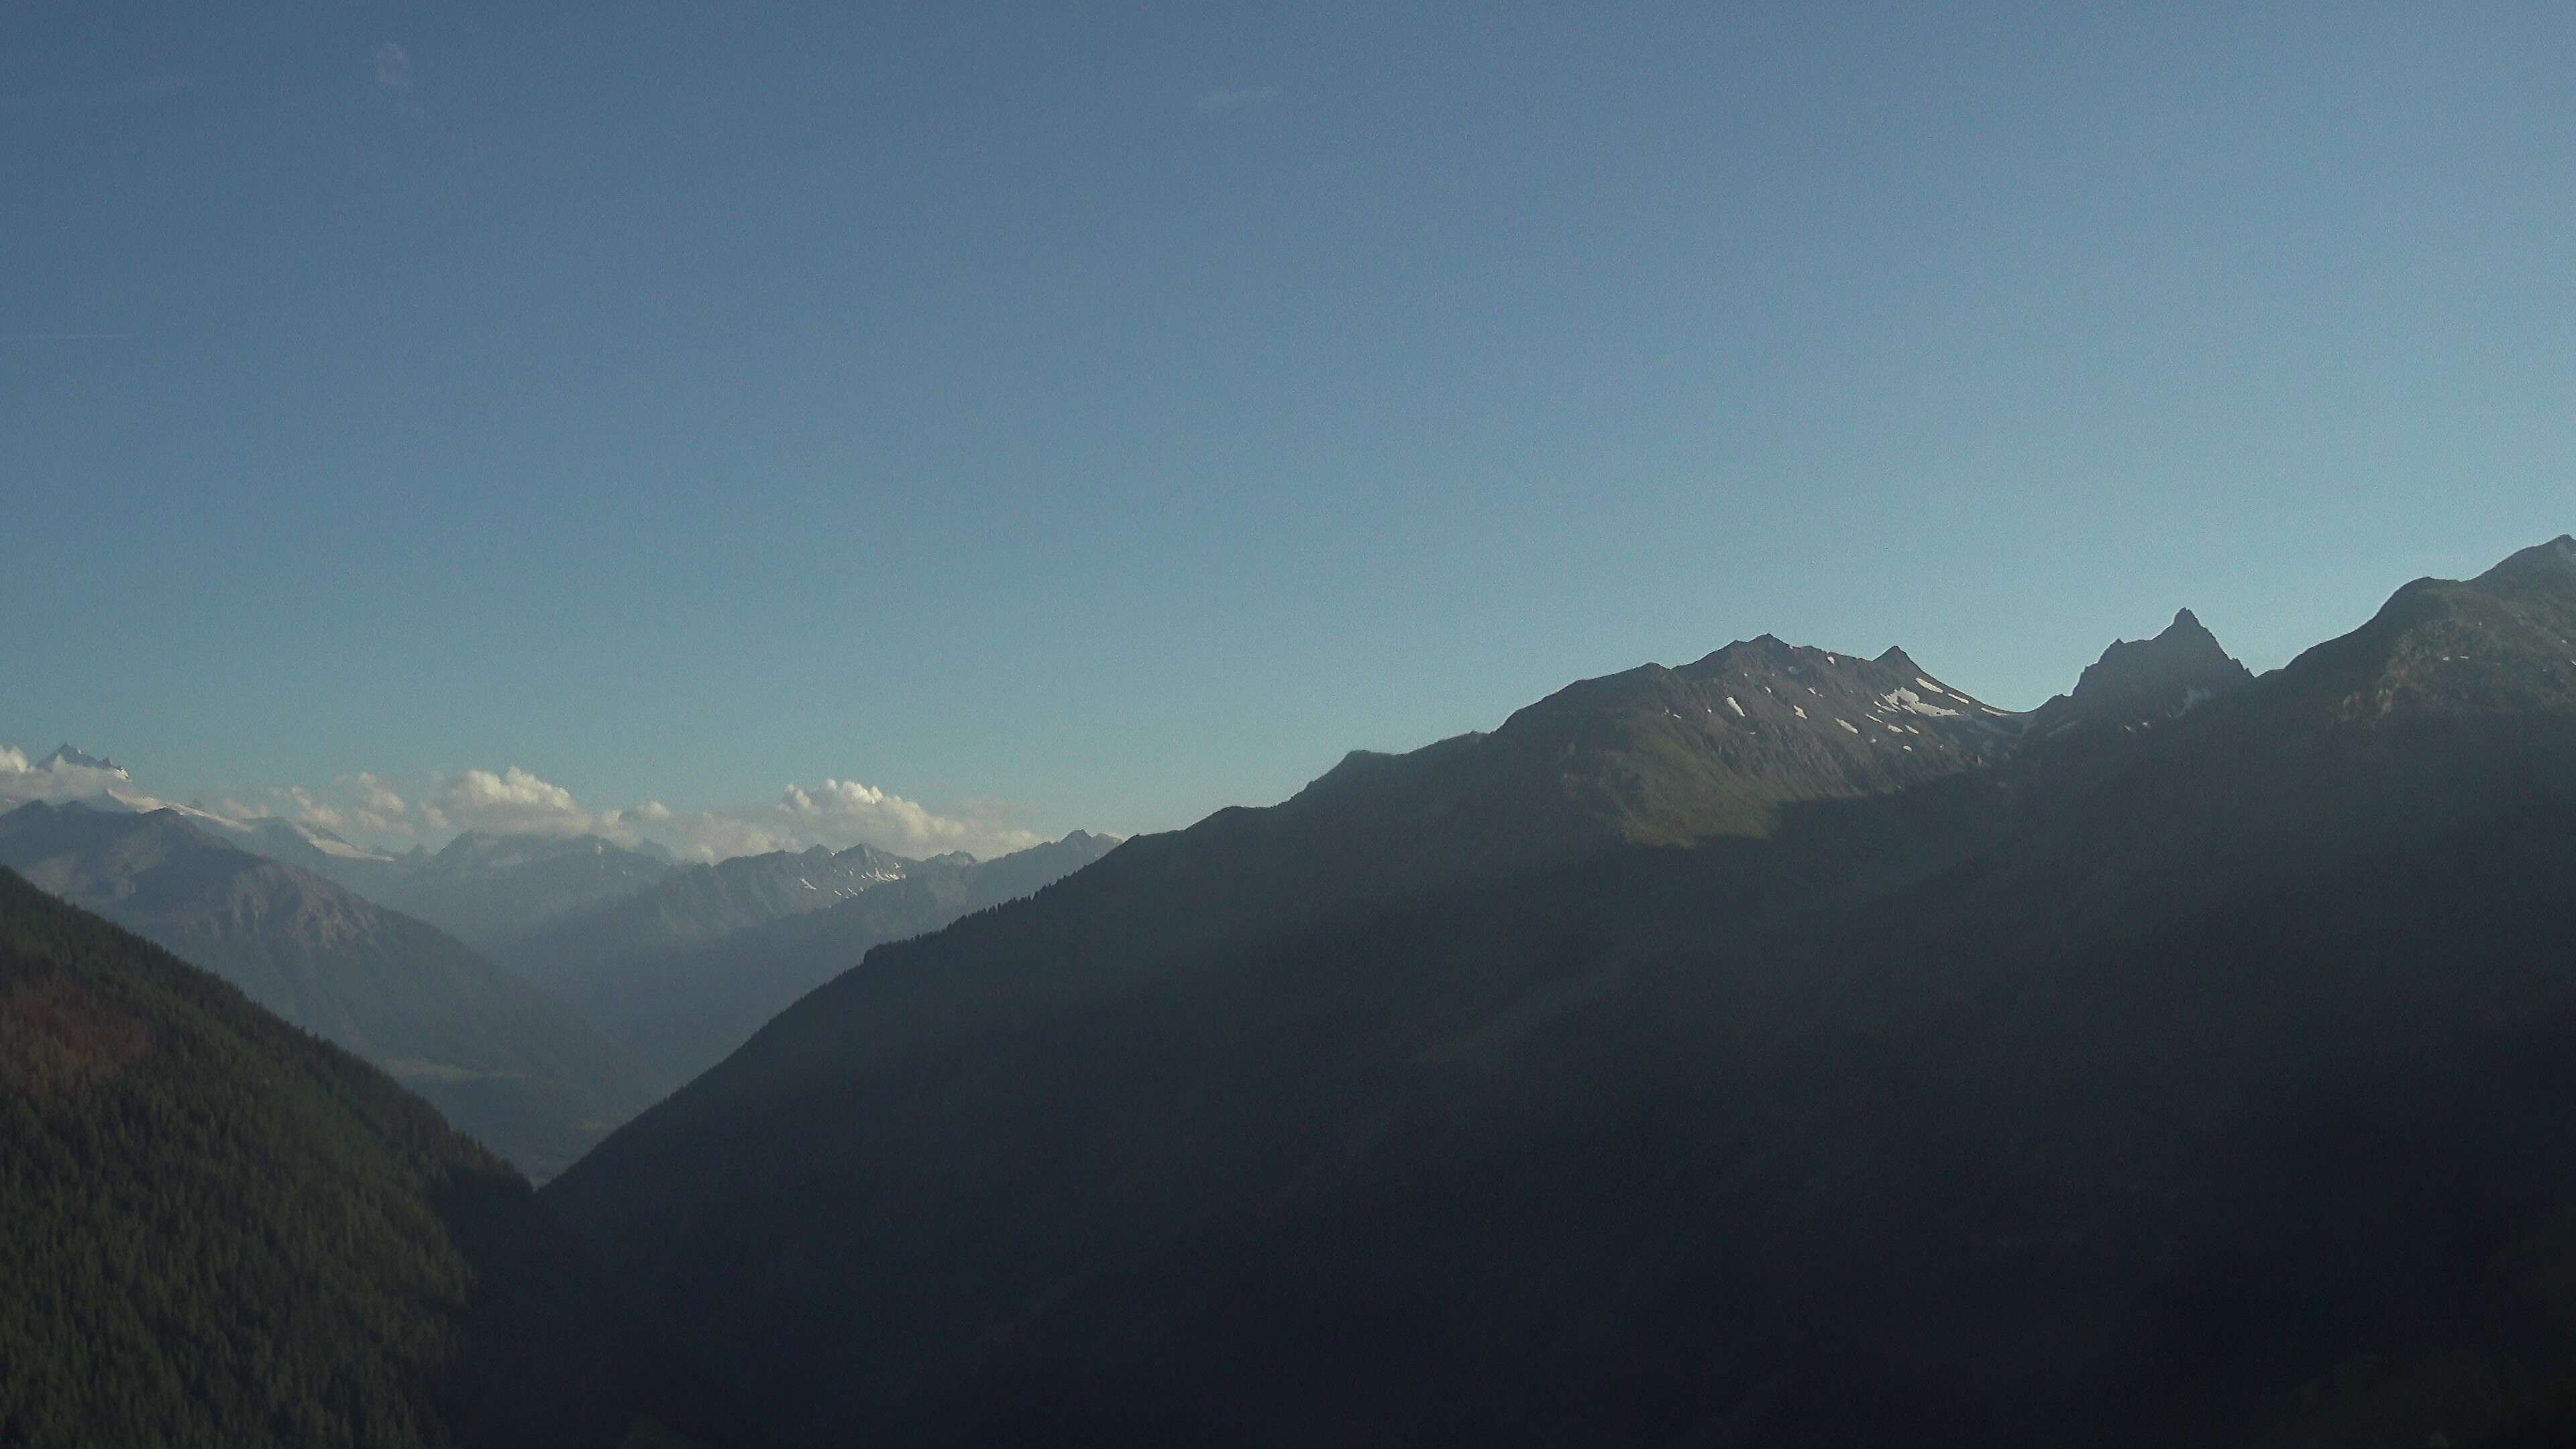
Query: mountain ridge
[(1802, 1127), (698, 904), (509, 1064), (218, 1229), (491, 889)]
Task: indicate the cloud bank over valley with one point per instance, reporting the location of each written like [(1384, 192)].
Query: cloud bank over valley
[(394, 815)]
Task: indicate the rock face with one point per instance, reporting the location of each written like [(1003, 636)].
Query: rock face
[(64, 754), (2502, 642), (2143, 683), (1990, 1092)]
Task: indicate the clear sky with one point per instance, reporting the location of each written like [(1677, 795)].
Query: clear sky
[(1093, 415)]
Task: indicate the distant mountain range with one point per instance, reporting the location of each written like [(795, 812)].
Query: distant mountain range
[(484, 889), (508, 1064), (669, 957), (1785, 1049), (494, 889), (677, 964), (660, 973), (696, 904), (215, 1229), (561, 908)]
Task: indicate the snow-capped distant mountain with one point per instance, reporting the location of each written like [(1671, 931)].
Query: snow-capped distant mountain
[(555, 901), (64, 754), (370, 873)]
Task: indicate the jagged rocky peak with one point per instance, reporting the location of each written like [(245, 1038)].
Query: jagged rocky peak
[(1897, 659), (2145, 679), (65, 755), (2186, 647), (1744, 654), (1892, 681)]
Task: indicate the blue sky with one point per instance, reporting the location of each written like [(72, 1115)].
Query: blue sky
[(1091, 416)]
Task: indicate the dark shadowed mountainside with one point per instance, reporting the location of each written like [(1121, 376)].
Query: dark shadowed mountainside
[(508, 1064), (2203, 1081), (217, 1230)]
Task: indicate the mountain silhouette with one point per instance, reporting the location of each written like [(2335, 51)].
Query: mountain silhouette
[(1627, 1075)]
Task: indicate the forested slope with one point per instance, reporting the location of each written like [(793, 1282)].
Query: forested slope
[(218, 1230)]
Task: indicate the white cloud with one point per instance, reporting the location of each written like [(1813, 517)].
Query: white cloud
[(361, 805), (375, 810), (57, 782), (837, 813), (380, 796), (313, 812), (842, 813), (872, 815), (516, 802), (714, 836)]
